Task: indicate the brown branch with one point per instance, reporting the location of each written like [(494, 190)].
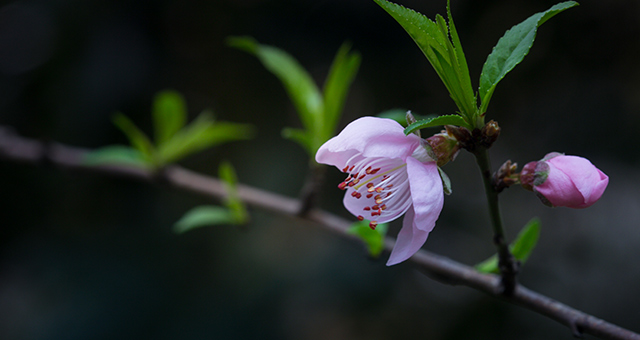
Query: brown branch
[(18, 149)]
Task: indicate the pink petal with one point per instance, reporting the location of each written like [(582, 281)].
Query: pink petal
[(559, 189), (371, 137), (588, 179), (410, 240), (427, 193)]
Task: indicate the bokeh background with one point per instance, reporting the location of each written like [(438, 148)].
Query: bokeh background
[(84, 256)]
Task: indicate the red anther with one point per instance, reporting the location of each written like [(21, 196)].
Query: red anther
[(383, 207), (367, 208), (377, 197), (355, 181), (352, 183), (374, 171), (351, 168), (369, 195), (368, 170), (358, 195), (362, 176), (371, 189), (342, 185), (360, 217), (375, 213), (373, 225), (389, 186), (379, 189), (346, 168), (369, 185), (375, 207), (378, 201)]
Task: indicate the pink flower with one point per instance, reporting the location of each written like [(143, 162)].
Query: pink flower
[(389, 174), (565, 181)]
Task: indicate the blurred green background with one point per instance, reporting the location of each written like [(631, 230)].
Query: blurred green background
[(84, 256)]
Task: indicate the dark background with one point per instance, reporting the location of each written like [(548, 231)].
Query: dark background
[(84, 256)]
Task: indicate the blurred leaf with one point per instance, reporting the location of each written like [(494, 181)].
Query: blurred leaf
[(169, 115), (521, 248), (203, 216), (343, 70), (298, 83), (511, 50), (116, 154), (200, 134), (236, 207), (137, 138), (456, 120), (400, 116), (373, 239), (228, 174), (299, 136)]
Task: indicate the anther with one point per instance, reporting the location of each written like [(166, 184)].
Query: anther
[(373, 224), (360, 217)]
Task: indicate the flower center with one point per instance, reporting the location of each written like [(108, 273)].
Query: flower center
[(382, 184)]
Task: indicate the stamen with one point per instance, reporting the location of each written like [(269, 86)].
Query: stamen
[(360, 217), (373, 224)]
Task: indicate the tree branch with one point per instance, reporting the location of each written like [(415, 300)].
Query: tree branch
[(18, 149)]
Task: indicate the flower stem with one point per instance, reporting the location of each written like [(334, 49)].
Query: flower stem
[(506, 262)]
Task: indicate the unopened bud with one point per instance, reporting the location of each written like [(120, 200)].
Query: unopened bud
[(445, 147), (490, 133)]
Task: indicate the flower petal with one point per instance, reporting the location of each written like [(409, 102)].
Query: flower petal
[(410, 240), (426, 192), (371, 137), (588, 179)]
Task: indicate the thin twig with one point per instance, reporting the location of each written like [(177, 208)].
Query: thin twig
[(18, 149)]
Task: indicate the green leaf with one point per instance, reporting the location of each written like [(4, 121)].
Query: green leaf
[(341, 74), (521, 248), (203, 216), (137, 138), (456, 120), (373, 239), (298, 83), (511, 50), (169, 115), (116, 154), (200, 134)]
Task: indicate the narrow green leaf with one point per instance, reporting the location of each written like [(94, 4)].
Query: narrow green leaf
[(373, 239), (521, 248), (169, 115), (137, 138), (456, 120), (462, 67), (511, 50), (341, 74), (116, 154), (201, 134), (203, 216), (298, 83)]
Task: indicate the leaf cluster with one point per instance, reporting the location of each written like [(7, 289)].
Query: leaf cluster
[(233, 211), (439, 41), (174, 138), (319, 111)]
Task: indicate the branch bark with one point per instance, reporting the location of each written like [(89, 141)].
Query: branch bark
[(14, 148)]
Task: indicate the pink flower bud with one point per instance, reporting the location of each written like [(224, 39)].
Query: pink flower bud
[(564, 181)]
